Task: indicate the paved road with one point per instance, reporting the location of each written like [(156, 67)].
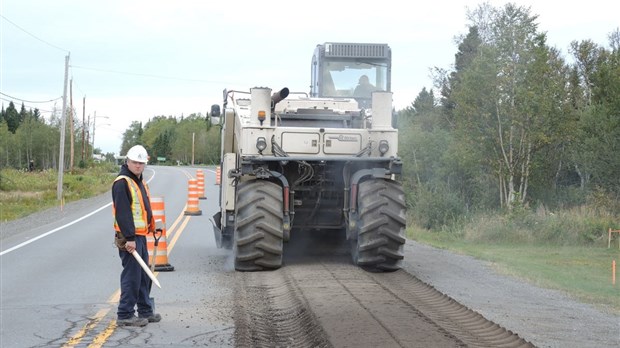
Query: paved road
[(59, 281), (62, 289)]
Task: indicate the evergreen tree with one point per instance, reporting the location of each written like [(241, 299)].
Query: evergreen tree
[(467, 52), (12, 118)]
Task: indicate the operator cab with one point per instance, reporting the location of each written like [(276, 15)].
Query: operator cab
[(347, 70)]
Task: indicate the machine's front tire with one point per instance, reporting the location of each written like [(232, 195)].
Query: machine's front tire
[(381, 226), (259, 237)]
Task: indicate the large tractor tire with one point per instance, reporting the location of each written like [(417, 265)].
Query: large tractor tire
[(381, 226), (258, 241)]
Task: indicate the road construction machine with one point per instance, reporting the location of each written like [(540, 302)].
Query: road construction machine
[(324, 161)]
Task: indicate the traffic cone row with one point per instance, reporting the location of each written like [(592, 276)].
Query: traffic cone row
[(192, 200), (218, 175), (161, 254)]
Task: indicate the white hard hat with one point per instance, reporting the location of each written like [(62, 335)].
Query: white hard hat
[(138, 154)]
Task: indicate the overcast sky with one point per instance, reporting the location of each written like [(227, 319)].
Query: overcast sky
[(132, 60)]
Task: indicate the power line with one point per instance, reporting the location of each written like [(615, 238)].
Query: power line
[(29, 106), (30, 101), (34, 36), (145, 75)]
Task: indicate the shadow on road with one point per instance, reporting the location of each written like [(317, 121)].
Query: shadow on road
[(314, 246)]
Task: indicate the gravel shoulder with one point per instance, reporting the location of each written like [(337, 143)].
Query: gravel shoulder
[(546, 318)]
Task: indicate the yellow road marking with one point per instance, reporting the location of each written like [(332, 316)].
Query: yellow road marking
[(170, 231), (102, 338), (77, 338), (176, 236)]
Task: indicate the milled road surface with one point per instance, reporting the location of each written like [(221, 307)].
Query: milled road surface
[(322, 300)]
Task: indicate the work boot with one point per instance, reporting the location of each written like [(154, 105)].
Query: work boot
[(133, 321), (153, 318)]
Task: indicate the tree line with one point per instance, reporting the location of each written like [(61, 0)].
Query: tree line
[(26, 136), (184, 140), (514, 123)]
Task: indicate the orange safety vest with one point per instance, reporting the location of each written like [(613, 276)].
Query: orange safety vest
[(138, 210)]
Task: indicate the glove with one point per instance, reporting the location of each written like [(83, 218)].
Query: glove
[(120, 240)]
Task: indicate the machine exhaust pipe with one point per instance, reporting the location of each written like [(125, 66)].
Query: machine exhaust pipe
[(278, 97)]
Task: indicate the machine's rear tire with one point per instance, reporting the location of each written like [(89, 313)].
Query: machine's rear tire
[(259, 237), (381, 226)]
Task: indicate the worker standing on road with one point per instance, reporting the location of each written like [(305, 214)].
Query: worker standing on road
[(133, 220)]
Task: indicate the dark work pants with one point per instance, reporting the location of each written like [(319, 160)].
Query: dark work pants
[(135, 283)]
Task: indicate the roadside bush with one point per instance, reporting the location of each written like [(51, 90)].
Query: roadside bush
[(437, 207)]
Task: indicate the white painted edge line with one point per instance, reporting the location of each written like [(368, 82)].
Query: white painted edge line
[(54, 230), (63, 226)]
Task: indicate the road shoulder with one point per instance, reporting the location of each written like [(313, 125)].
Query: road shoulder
[(546, 318)]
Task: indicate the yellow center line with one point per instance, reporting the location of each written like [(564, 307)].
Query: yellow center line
[(102, 338), (171, 231), (177, 235), (77, 338)]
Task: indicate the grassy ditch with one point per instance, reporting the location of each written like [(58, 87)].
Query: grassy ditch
[(23, 193), (566, 251)]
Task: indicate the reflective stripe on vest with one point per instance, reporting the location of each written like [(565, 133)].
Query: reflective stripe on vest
[(138, 211)]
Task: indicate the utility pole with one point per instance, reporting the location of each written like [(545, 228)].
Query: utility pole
[(87, 143), (83, 125), (92, 152), (61, 156), (193, 136), (94, 126), (71, 124)]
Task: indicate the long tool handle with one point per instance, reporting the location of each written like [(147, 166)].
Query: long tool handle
[(153, 258), (145, 268), (156, 243)]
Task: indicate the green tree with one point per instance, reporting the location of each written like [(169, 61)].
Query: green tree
[(499, 100), (467, 52), (194, 139), (12, 118), (132, 136), (433, 182), (593, 146), (155, 137)]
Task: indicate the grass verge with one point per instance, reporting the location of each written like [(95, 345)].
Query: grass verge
[(583, 272), (23, 193)]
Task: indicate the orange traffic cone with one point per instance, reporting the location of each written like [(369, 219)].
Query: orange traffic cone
[(192, 200), (200, 176), (161, 253), (218, 175)]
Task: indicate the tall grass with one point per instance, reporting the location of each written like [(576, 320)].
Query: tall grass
[(23, 193), (580, 226), (564, 250)]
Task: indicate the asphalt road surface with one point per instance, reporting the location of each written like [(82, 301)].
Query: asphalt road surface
[(62, 289), (60, 284)]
